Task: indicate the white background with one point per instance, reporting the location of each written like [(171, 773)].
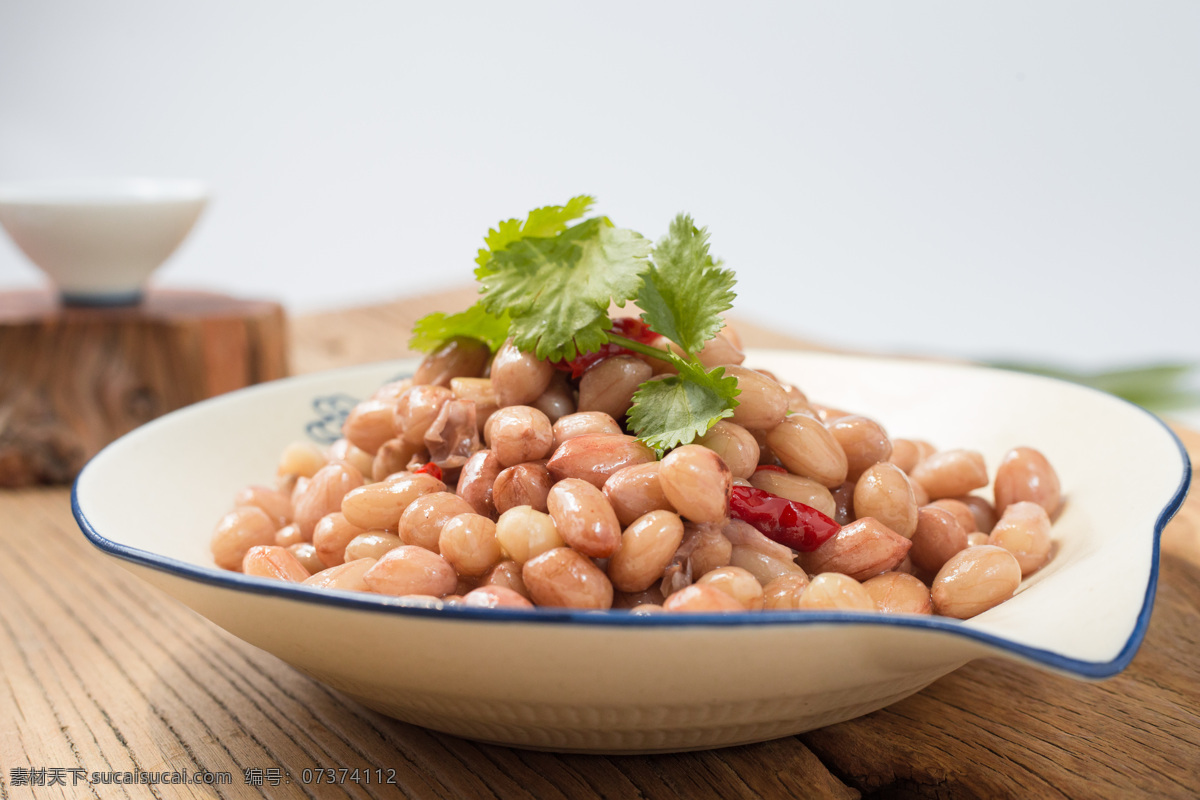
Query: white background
[(1008, 179)]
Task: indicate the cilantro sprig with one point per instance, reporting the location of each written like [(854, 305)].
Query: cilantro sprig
[(557, 290), (548, 281), (477, 321), (682, 298)]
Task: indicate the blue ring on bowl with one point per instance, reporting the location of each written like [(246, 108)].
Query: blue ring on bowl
[(382, 604), (101, 299)]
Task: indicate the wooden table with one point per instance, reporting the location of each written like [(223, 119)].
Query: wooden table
[(99, 672)]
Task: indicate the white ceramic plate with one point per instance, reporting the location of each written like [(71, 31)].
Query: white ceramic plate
[(609, 681)]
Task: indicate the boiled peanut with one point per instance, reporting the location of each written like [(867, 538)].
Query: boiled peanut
[(469, 543), (276, 503), (306, 554), (323, 495), (864, 442), (974, 580), (558, 400), (609, 384), (300, 460), (370, 424), (524, 532), (960, 510), (476, 480), (411, 570), (583, 518), (904, 454), (361, 460), (1025, 474), (862, 549), (522, 485), (738, 584), (701, 598), (784, 592), (566, 578), (331, 536), (239, 531), (950, 473), (697, 483), (372, 544), (833, 591), (735, 445), (807, 448), (457, 357), (571, 425), (594, 457), (985, 514), (883, 492), (346, 577), (899, 593), (289, 535), (517, 434), (508, 575), (762, 403), (636, 490), (380, 505), (394, 456), (518, 378), (423, 518), (494, 597), (417, 409), (843, 503), (937, 538), (717, 351), (1024, 531), (646, 548), (765, 568), (270, 561)]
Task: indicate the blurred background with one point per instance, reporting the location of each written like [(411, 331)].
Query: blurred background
[(1000, 181)]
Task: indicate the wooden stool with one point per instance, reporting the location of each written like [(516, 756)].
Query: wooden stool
[(73, 379)]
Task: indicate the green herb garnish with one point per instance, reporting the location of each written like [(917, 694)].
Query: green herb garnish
[(557, 290), (548, 285), (682, 298), (476, 322)]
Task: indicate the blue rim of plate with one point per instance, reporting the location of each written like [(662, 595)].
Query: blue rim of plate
[(214, 576)]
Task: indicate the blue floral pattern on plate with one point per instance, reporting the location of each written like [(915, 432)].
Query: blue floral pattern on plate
[(331, 411)]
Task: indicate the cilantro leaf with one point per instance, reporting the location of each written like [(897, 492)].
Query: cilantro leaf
[(677, 409), (557, 290), (541, 222), (476, 322), (686, 291)]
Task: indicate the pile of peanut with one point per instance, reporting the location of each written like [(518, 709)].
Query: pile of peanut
[(538, 497)]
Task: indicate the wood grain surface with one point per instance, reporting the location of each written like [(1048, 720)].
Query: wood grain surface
[(99, 672), (72, 379)]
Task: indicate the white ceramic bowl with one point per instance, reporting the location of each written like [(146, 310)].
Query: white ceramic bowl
[(610, 681), (99, 241)]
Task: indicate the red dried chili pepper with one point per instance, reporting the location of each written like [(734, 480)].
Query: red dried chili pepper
[(629, 327), (430, 469), (796, 525), (770, 468)]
